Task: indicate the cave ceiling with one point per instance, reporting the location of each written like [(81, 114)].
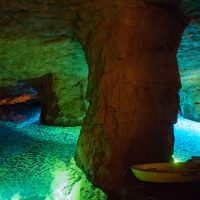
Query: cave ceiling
[(37, 37)]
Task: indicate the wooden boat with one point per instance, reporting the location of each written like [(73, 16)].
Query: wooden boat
[(167, 172)]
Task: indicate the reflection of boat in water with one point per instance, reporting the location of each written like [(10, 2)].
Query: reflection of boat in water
[(167, 172)]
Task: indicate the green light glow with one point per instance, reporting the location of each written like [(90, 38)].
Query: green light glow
[(60, 181), (187, 139), (176, 161), (70, 183), (37, 162), (16, 197), (75, 192)]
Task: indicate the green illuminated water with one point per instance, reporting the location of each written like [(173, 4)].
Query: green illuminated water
[(36, 164), (187, 139), (36, 161), (30, 156)]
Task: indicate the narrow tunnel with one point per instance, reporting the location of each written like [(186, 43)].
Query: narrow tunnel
[(20, 104)]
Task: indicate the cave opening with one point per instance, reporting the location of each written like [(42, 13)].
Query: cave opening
[(187, 128), (20, 104)]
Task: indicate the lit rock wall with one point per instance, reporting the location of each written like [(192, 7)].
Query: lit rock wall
[(130, 47), (37, 38), (24, 59), (189, 67), (132, 90), (62, 99)]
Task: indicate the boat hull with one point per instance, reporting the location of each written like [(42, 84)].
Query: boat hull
[(167, 172)]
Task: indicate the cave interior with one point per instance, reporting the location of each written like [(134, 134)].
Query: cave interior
[(90, 88)]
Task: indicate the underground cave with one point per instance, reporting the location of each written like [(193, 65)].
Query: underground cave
[(89, 89)]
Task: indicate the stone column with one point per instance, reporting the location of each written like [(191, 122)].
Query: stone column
[(133, 89), (62, 99)]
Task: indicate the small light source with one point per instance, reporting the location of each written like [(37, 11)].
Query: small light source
[(16, 197), (176, 161)]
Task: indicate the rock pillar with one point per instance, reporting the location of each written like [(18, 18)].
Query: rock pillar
[(62, 99), (132, 92)]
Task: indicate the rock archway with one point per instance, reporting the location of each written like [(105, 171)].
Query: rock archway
[(56, 66)]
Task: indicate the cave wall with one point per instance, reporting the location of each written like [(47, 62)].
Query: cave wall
[(132, 90), (62, 99), (189, 68), (27, 58), (130, 47), (37, 38)]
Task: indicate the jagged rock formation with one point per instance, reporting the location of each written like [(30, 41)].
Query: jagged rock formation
[(189, 67), (31, 30), (37, 38), (32, 57), (62, 99), (130, 48)]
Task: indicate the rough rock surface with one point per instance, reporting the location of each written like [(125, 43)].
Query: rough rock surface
[(62, 99), (132, 90), (133, 87), (35, 41), (63, 60), (36, 38), (189, 66)]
